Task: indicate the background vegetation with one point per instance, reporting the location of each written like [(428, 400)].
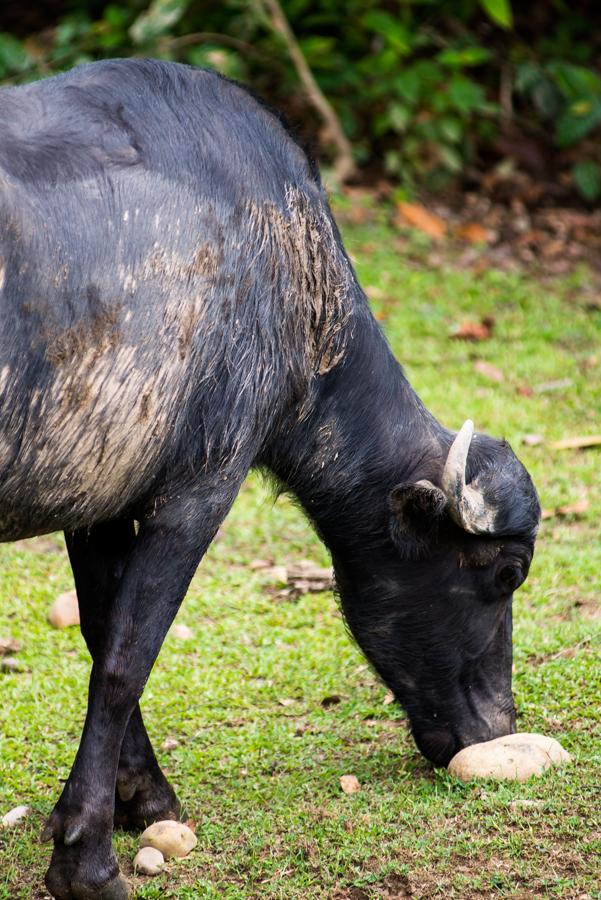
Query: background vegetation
[(428, 92)]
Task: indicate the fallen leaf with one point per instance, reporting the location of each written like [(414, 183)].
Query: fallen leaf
[(277, 574), (349, 784), (286, 701), (474, 233), (170, 743), (577, 443), (259, 564), (388, 698), (468, 330), (568, 509), (532, 440), (419, 217), (489, 371), (9, 645)]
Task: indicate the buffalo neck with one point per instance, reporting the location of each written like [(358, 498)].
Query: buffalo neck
[(367, 431)]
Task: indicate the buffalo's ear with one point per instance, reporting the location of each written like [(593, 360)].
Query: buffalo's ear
[(416, 509)]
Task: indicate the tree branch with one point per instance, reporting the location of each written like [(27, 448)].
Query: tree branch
[(344, 167)]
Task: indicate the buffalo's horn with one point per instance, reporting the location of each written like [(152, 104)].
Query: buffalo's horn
[(467, 506)]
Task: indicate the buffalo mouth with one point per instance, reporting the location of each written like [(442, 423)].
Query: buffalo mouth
[(438, 746)]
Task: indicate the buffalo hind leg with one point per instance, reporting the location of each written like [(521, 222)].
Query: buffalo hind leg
[(98, 556), (155, 578)]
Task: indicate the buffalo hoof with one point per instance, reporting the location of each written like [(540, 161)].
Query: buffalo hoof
[(143, 799), (83, 864), (76, 874)]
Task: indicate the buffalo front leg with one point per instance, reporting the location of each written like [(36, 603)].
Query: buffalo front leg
[(155, 578), (98, 557)]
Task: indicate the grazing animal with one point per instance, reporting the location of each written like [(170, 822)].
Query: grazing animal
[(176, 307)]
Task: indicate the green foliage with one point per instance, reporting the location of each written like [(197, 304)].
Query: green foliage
[(499, 11), (416, 84)]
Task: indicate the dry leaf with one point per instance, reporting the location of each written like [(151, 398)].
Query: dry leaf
[(388, 698), (286, 701), (468, 330), (474, 233), (569, 509), (577, 443), (524, 390), (532, 440), (349, 784), (418, 217), (259, 564), (489, 371), (278, 574)]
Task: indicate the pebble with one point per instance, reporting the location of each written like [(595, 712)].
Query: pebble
[(14, 816), (181, 632), (10, 664), (513, 757), (171, 838), (64, 611), (170, 743), (149, 861), (350, 784)]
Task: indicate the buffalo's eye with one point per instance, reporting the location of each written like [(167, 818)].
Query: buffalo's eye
[(510, 577)]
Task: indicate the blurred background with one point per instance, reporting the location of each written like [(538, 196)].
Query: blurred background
[(429, 94)]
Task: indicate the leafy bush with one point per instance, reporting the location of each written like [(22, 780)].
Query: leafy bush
[(422, 88)]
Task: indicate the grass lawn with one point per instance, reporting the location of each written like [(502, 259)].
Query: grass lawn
[(259, 755)]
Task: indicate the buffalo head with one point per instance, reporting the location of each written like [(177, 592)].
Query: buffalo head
[(430, 604)]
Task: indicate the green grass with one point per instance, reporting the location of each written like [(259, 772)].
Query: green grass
[(261, 779)]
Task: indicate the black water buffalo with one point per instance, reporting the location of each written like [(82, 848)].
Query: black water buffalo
[(177, 307)]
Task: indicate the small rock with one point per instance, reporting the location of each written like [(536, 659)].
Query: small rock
[(516, 805), (10, 664), (171, 838), (14, 816), (149, 861), (181, 632), (533, 440), (513, 757), (64, 611), (170, 743), (350, 784), (9, 645)]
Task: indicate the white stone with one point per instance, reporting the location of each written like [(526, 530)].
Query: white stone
[(149, 861), (171, 838), (14, 816), (64, 611), (513, 757), (350, 784), (181, 632)]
